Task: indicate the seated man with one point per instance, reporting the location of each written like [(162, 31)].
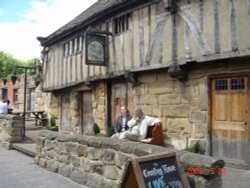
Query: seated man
[(7, 102), (138, 126), (3, 108)]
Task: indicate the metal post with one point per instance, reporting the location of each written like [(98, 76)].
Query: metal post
[(24, 97), (24, 101)]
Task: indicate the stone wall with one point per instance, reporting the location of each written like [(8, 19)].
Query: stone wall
[(180, 105), (74, 112), (10, 129), (100, 161), (41, 101), (99, 106), (41, 98)]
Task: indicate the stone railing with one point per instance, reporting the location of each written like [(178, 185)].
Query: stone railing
[(100, 162), (10, 130)]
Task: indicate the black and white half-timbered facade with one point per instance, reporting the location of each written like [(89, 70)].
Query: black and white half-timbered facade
[(183, 61)]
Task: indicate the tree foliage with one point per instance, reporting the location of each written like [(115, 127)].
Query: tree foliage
[(8, 64)]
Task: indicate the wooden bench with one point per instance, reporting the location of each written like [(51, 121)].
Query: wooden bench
[(154, 135), (39, 117)]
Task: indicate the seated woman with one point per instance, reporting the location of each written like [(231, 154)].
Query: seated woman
[(121, 123)]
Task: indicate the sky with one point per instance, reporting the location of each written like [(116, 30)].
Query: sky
[(22, 21)]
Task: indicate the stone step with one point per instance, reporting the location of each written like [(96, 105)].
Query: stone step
[(28, 149)]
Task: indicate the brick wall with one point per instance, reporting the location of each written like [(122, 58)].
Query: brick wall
[(10, 92)]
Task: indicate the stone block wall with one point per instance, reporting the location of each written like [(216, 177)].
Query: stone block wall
[(42, 99), (180, 105), (99, 105), (74, 112), (100, 161), (10, 130)]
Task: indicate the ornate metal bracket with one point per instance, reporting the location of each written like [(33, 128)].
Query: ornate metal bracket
[(90, 84), (131, 78), (175, 71)]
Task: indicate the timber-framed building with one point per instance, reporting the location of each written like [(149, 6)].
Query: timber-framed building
[(184, 61)]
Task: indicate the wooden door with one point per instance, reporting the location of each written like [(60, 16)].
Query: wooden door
[(86, 111), (119, 98), (122, 95), (229, 118), (65, 116)]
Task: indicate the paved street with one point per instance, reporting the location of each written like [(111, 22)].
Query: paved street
[(19, 171), (236, 178)]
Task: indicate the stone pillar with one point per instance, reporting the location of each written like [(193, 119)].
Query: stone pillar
[(99, 106), (10, 130)]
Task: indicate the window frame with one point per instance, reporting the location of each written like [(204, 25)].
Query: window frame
[(122, 23)]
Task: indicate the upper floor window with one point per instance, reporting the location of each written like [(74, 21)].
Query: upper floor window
[(70, 47), (79, 43), (66, 50), (73, 46), (121, 24)]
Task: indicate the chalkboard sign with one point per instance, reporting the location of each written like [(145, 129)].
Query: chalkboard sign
[(155, 171)]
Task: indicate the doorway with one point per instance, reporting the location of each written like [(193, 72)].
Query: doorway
[(65, 118), (86, 116), (229, 118), (122, 95)]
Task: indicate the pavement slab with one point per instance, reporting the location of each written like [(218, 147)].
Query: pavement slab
[(19, 171)]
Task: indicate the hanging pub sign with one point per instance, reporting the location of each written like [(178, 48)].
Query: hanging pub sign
[(154, 171), (95, 49)]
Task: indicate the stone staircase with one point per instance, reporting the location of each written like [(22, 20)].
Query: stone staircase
[(25, 147), (28, 144)]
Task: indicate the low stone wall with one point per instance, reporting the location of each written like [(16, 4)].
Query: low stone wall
[(10, 129), (100, 161)]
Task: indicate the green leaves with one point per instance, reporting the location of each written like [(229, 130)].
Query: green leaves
[(96, 128), (8, 63)]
